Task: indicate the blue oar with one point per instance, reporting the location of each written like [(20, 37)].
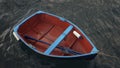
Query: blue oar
[(64, 49)]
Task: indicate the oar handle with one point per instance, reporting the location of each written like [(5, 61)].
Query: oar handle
[(31, 38)]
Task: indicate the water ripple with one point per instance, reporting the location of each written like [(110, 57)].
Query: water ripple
[(4, 34)]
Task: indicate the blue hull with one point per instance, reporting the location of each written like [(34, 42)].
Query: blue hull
[(90, 55)]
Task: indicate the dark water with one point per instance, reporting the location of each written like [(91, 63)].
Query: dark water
[(99, 19)]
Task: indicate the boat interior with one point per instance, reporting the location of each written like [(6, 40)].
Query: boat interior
[(50, 29)]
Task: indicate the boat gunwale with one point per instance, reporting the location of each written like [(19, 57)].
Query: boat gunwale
[(93, 51)]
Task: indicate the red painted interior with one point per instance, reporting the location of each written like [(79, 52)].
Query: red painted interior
[(48, 28)]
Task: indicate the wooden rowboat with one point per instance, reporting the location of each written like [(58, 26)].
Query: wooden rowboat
[(54, 36)]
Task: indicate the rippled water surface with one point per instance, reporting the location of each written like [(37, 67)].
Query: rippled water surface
[(99, 19)]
